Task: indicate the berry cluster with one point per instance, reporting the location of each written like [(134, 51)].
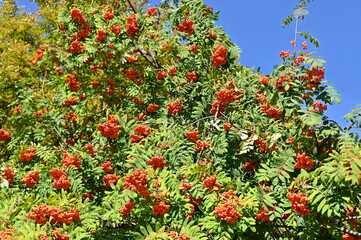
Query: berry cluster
[(125, 211), (90, 148), (202, 145), (107, 167), (192, 136), (132, 74), (43, 213), (227, 212), (152, 107), (183, 186), (298, 203), (303, 161), (101, 35), (136, 181), (194, 49), (9, 175), (174, 108), (70, 102), (152, 11), (143, 132), (157, 162), (57, 236), (72, 83), (263, 146), (172, 71), (249, 166), (116, 29), (108, 15), (264, 80), (225, 96), (160, 209), (219, 56), (31, 179), (284, 54), (320, 106), (263, 214), (76, 47), (60, 181), (186, 26), (175, 236), (282, 82), (227, 126), (39, 55), (77, 16), (131, 25), (211, 182), (161, 75), (271, 111), (218, 107), (109, 129), (27, 157), (191, 77), (70, 160), (111, 178), (88, 195), (4, 135)]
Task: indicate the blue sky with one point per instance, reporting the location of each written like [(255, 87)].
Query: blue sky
[(255, 26)]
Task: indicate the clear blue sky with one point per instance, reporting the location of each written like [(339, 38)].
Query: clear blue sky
[(255, 26)]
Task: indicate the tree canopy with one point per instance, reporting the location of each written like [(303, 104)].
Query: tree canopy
[(120, 121)]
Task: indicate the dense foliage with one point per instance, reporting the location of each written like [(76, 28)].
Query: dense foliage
[(138, 123)]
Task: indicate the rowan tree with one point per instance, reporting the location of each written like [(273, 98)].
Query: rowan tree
[(150, 129)]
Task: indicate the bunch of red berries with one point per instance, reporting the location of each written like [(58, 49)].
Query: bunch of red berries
[(60, 181), (263, 214), (303, 161), (211, 182), (157, 162), (27, 157), (264, 80), (125, 211), (152, 107), (174, 108), (271, 111), (249, 166), (116, 29), (218, 107), (39, 55), (111, 178), (186, 26), (70, 102), (219, 56), (107, 167), (192, 77), (131, 25), (192, 136), (31, 179), (72, 83), (227, 212), (298, 203), (225, 96), (161, 75), (160, 209), (152, 11), (101, 35), (137, 181), (202, 145), (9, 175), (132, 74), (109, 129), (70, 160), (43, 213), (320, 106), (143, 132)]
